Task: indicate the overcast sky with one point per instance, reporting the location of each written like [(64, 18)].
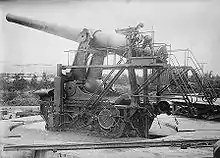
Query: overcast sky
[(184, 24)]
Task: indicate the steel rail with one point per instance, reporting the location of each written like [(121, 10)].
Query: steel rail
[(110, 145)]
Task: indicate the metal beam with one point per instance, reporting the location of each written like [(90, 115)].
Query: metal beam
[(114, 66)]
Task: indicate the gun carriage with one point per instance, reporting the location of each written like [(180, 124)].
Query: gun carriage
[(80, 97)]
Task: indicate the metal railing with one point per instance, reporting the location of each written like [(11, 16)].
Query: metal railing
[(182, 81), (205, 85)]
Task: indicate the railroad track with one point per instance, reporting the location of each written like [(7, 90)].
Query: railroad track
[(183, 144)]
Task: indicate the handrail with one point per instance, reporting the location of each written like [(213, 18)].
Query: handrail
[(182, 90), (173, 77), (210, 90), (185, 88), (178, 71)]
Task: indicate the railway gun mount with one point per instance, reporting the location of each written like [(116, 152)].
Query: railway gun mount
[(80, 98)]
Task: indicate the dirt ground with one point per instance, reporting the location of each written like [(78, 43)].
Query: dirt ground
[(33, 132)]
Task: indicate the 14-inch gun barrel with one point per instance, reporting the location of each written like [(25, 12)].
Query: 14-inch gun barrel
[(65, 32), (101, 39)]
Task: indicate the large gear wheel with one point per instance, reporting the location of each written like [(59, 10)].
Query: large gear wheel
[(106, 119), (110, 123)]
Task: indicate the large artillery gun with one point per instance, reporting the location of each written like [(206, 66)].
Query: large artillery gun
[(79, 99)]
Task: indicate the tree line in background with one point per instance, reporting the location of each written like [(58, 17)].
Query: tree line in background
[(214, 80), (17, 86), (19, 83)]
